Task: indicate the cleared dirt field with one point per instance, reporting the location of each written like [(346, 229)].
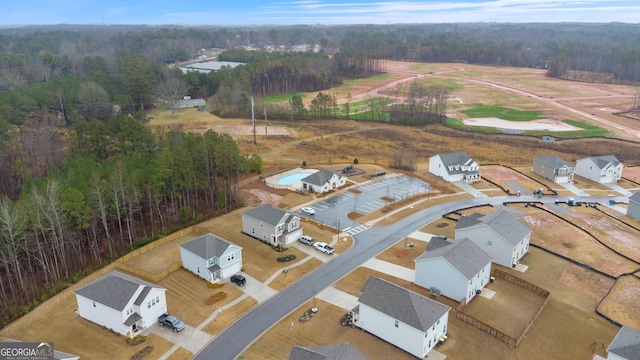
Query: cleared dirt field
[(632, 173), (505, 176), (622, 304)]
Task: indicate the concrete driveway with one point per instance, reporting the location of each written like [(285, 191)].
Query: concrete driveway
[(189, 338)]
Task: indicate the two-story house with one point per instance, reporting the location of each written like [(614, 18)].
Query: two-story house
[(272, 225), (121, 303), (554, 168), (601, 169), (455, 166), (323, 181), (211, 257), (459, 269), (498, 234)]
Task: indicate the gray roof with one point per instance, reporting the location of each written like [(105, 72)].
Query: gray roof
[(407, 306), (456, 158), (626, 343), (553, 161), (114, 290), (635, 197), (143, 294), (267, 213), (342, 351), (208, 66), (603, 161), (321, 177), (462, 254), (134, 318), (505, 225), (207, 246)]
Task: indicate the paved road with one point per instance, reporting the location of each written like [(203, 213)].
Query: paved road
[(247, 329)]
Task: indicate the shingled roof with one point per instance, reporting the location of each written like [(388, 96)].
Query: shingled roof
[(267, 213), (456, 158), (342, 351), (505, 225), (114, 290), (553, 161), (462, 254), (626, 343), (320, 178), (603, 161), (207, 246), (407, 306)]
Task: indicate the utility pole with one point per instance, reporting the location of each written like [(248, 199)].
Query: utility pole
[(265, 121), (291, 103), (253, 120)]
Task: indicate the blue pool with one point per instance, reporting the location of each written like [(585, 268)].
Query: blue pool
[(294, 178)]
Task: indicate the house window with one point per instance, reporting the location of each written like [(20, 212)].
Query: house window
[(94, 304), (489, 242), (397, 323), (260, 223), (149, 305), (153, 301), (157, 300)]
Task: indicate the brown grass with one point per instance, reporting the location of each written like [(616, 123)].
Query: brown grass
[(294, 274), (623, 302), (402, 255), (157, 259), (392, 218), (181, 354), (229, 316), (215, 298)]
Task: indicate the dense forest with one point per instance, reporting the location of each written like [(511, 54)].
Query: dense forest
[(83, 180)]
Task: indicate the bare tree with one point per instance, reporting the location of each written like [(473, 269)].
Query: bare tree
[(93, 101), (171, 90)]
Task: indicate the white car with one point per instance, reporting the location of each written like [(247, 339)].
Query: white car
[(308, 210), (324, 247)]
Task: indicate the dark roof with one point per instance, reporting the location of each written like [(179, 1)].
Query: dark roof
[(114, 290), (505, 225), (603, 161), (462, 254), (342, 351), (207, 246), (626, 343), (456, 158), (267, 213), (134, 318), (321, 177), (407, 306), (635, 197), (143, 294), (553, 161)]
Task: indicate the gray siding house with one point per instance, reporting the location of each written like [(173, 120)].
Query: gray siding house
[(626, 345), (457, 268), (554, 168), (211, 257), (455, 166), (401, 317), (342, 351), (633, 209), (601, 169), (272, 225), (323, 181), (498, 234)]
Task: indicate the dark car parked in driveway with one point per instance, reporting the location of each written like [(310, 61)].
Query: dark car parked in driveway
[(238, 280), (171, 322)]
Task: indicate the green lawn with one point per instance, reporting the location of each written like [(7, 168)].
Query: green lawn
[(483, 111)]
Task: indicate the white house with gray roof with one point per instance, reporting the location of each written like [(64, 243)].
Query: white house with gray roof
[(457, 268), (626, 345), (401, 317), (342, 351), (498, 234), (272, 225), (601, 169), (455, 166), (211, 257), (554, 168), (121, 303), (323, 181), (633, 209)]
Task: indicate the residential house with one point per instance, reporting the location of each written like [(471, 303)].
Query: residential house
[(272, 225), (633, 209), (121, 303), (459, 269), (626, 345), (342, 351), (401, 317), (601, 169), (455, 166), (324, 180), (554, 168), (211, 257), (499, 234)]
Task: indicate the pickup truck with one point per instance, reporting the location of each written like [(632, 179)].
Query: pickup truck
[(324, 247), (171, 322)]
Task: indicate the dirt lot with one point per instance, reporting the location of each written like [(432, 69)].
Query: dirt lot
[(623, 302)]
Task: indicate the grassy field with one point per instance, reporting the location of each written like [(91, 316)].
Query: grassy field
[(481, 111)]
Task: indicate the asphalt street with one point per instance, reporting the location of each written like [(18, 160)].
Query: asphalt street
[(232, 342)]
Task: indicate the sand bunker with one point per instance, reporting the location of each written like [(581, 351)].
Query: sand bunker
[(542, 124)]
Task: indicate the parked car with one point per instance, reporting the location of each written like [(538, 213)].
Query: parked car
[(171, 322), (308, 210), (324, 247), (238, 279), (307, 240)]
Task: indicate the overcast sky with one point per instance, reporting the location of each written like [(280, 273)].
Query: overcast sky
[(329, 12)]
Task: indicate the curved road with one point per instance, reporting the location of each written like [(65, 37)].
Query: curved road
[(232, 342)]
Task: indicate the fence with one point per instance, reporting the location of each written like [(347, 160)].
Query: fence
[(487, 328), (520, 282)]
